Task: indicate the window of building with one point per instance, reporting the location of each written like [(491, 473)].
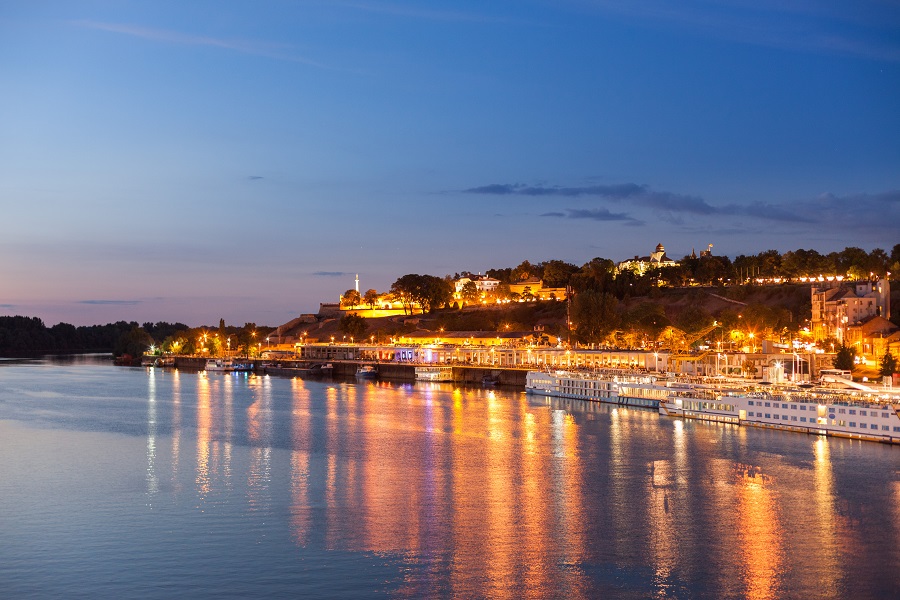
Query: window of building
[(852, 423), (803, 419)]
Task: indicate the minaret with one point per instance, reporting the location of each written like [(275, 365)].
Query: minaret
[(357, 283)]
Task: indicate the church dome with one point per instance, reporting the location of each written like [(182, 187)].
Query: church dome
[(660, 248)]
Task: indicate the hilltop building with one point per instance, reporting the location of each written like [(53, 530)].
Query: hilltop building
[(642, 264), (483, 284)]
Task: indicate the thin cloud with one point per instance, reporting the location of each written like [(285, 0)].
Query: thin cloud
[(186, 39), (111, 302), (255, 177), (668, 203), (331, 274), (596, 214)]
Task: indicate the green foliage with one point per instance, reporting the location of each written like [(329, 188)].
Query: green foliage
[(426, 291), (843, 358), (370, 298), (133, 343), (28, 336), (693, 318), (888, 365), (646, 321), (556, 273), (351, 298), (594, 316), (469, 292), (354, 325)]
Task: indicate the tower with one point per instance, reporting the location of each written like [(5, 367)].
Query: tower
[(357, 283)]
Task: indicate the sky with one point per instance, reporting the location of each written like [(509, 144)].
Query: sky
[(191, 161)]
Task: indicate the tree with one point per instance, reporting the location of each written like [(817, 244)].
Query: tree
[(370, 298), (523, 271), (557, 273), (693, 318), (843, 358), (428, 291), (353, 325), (647, 321), (469, 291), (133, 343), (888, 365), (351, 298), (594, 316)]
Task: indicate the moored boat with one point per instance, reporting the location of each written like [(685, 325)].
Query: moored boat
[(366, 372), (866, 415), (434, 373), (613, 386)]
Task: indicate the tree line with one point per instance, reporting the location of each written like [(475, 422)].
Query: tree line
[(709, 269), (28, 336)]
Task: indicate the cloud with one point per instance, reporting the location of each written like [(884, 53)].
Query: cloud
[(669, 203), (861, 211), (164, 36), (254, 177), (596, 214), (331, 274), (111, 302)]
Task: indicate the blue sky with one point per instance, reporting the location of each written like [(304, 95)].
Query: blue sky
[(190, 161)]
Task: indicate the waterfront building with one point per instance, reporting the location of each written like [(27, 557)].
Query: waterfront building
[(838, 305)]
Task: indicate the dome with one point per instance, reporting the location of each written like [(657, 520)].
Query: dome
[(660, 248)]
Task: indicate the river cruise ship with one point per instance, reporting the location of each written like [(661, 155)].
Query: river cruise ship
[(866, 415), (620, 386), (434, 373)]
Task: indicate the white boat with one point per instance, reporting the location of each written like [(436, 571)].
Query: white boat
[(219, 364), (366, 372), (434, 373), (613, 386), (866, 415)]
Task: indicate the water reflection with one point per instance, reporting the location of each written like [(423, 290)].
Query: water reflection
[(152, 481), (511, 498)]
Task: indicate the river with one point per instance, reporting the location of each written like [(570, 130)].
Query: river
[(148, 483)]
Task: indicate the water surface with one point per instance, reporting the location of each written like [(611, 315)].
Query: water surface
[(134, 483)]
